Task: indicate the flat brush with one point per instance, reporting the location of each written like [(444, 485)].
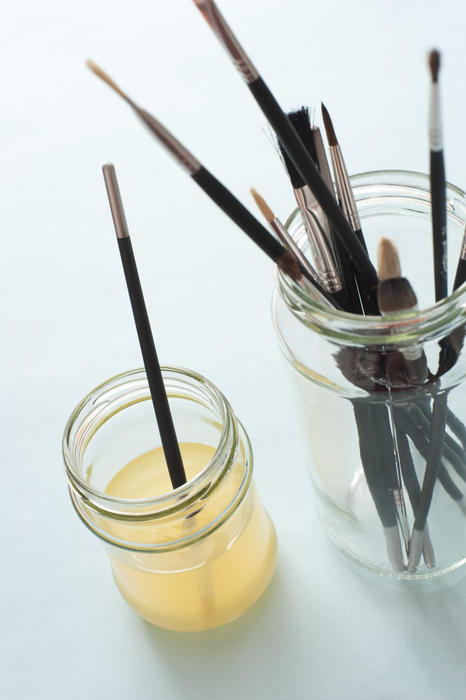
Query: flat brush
[(158, 394), (277, 226), (211, 186), (342, 181), (290, 141), (318, 236), (437, 182)]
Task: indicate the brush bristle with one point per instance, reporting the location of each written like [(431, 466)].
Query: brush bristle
[(302, 123), (388, 261), (434, 64), (105, 77), (328, 124), (264, 208), (396, 294)]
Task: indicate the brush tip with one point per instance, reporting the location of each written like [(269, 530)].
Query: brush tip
[(97, 70), (328, 124), (388, 261), (264, 208), (434, 64)]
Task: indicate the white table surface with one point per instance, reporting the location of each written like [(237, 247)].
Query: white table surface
[(323, 629)]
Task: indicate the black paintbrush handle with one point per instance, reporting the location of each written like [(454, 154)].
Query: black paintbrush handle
[(346, 269), (439, 223), (451, 450), (163, 414), (293, 145), (460, 276), (243, 218), (370, 460), (422, 445), (439, 418), (238, 213)]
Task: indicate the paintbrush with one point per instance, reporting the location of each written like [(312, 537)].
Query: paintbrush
[(158, 394), (348, 297), (439, 239), (290, 141), (278, 228), (214, 189), (437, 182), (314, 220), (342, 181)]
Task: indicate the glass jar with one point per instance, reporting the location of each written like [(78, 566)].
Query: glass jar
[(185, 559), (367, 426)]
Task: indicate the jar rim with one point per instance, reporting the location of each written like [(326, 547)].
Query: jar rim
[(171, 501), (391, 329)]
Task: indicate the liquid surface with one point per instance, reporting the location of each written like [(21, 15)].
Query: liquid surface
[(204, 584)]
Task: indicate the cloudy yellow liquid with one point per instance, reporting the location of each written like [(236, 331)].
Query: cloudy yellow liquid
[(209, 582)]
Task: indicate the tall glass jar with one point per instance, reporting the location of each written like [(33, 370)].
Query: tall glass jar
[(185, 559), (367, 425)]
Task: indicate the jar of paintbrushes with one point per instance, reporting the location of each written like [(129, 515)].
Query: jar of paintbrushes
[(382, 398)]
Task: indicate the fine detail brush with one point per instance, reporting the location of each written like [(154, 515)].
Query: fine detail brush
[(437, 182), (439, 240), (318, 236), (344, 190), (214, 189), (290, 141), (158, 394), (287, 240), (278, 228)]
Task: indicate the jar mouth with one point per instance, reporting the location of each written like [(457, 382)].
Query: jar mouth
[(122, 391), (426, 323)]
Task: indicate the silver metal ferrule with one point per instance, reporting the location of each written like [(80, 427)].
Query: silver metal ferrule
[(114, 198), (435, 121), (344, 191), (224, 34), (313, 216), (173, 146)]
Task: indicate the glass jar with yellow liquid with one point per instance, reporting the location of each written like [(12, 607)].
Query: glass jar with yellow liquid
[(185, 559)]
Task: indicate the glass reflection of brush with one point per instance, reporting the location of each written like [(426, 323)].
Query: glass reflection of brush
[(312, 214), (290, 140), (277, 226), (213, 188), (437, 182)]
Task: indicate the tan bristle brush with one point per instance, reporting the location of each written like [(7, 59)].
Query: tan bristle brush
[(395, 292)]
